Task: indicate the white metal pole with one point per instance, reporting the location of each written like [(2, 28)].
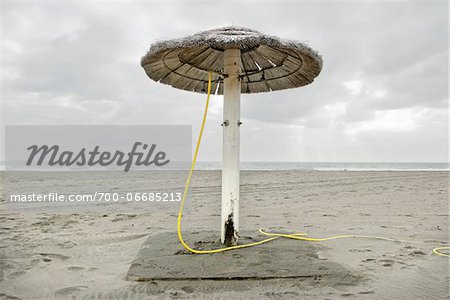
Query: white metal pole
[(230, 169)]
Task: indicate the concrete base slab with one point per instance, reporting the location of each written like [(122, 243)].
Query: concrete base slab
[(162, 258)]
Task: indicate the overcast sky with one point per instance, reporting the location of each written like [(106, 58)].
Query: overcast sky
[(382, 94)]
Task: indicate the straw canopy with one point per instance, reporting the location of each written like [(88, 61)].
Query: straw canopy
[(268, 63)]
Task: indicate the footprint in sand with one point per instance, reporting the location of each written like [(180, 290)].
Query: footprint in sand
[(48, 257), (417, 253), (4, 296), (360, 250), (123, 217), (69, 291), (281, 294), (381, 262), (187, 289), (67, 245), (69, 224), (75, 268), (366, 292), (386, 262)]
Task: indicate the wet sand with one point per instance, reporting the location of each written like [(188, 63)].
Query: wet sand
[(86, 254)]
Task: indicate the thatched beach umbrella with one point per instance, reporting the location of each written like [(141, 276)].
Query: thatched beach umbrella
[(243, 61)]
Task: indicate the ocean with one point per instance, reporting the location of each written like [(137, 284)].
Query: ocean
[(323, 166), (333, 166)]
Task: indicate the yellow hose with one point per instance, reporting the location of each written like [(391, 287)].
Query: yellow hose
[(438, 251), (273, 236)]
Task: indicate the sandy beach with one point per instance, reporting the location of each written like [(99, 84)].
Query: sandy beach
[(46, 255)]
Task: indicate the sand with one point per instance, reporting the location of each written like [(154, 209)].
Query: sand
[(86, 254)]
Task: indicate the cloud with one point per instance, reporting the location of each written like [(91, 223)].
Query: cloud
[(354, 86), (395, 120)]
